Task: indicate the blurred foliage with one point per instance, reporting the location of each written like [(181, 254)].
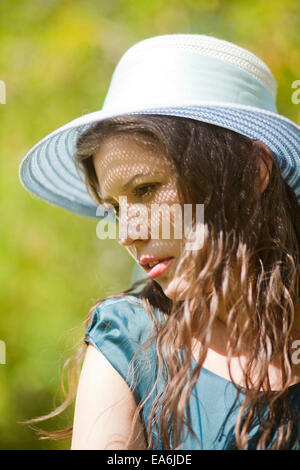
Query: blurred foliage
[(57, 58)]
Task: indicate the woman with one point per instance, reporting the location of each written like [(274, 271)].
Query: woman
[(203, 356)]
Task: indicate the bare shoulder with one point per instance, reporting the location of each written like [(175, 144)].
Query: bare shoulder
[(104, 407)]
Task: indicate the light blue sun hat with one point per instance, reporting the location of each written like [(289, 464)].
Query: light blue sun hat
[(190, 75)]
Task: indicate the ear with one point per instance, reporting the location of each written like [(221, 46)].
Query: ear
[(265, 164)]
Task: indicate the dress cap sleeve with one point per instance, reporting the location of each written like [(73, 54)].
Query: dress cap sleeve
[(117, 328)]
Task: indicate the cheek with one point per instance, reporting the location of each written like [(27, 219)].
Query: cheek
[(170, 213), (168, 194)]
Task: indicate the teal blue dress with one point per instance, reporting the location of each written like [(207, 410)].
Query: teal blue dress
[(120, 325)]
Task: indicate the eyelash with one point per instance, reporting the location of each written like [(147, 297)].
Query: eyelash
[(152, 185), (135, 192)]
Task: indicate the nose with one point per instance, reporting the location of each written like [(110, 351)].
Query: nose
[(133, 228), (127, 238)]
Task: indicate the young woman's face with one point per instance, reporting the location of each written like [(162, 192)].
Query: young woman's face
[(120, 160)]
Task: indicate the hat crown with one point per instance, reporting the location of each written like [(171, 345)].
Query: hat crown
[(190, 69), (212, 47)]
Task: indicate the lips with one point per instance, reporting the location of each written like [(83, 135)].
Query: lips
[(145, 260), (158, 268)]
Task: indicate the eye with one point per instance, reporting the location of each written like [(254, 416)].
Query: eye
[(144, 189), (141, 191), (116, 208)]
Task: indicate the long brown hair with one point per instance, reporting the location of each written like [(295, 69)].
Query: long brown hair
[(250, 239)]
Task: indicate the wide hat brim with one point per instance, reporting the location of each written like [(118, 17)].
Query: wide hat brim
[(48, 170)]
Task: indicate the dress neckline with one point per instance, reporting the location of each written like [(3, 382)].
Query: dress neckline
[(213, 374), (243, 389)]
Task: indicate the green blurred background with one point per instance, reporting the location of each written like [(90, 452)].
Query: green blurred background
[(56, 59)]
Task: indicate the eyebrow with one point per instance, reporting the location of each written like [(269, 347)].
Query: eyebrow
[(128, 184)]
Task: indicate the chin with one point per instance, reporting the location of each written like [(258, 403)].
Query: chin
[(172, 287)]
